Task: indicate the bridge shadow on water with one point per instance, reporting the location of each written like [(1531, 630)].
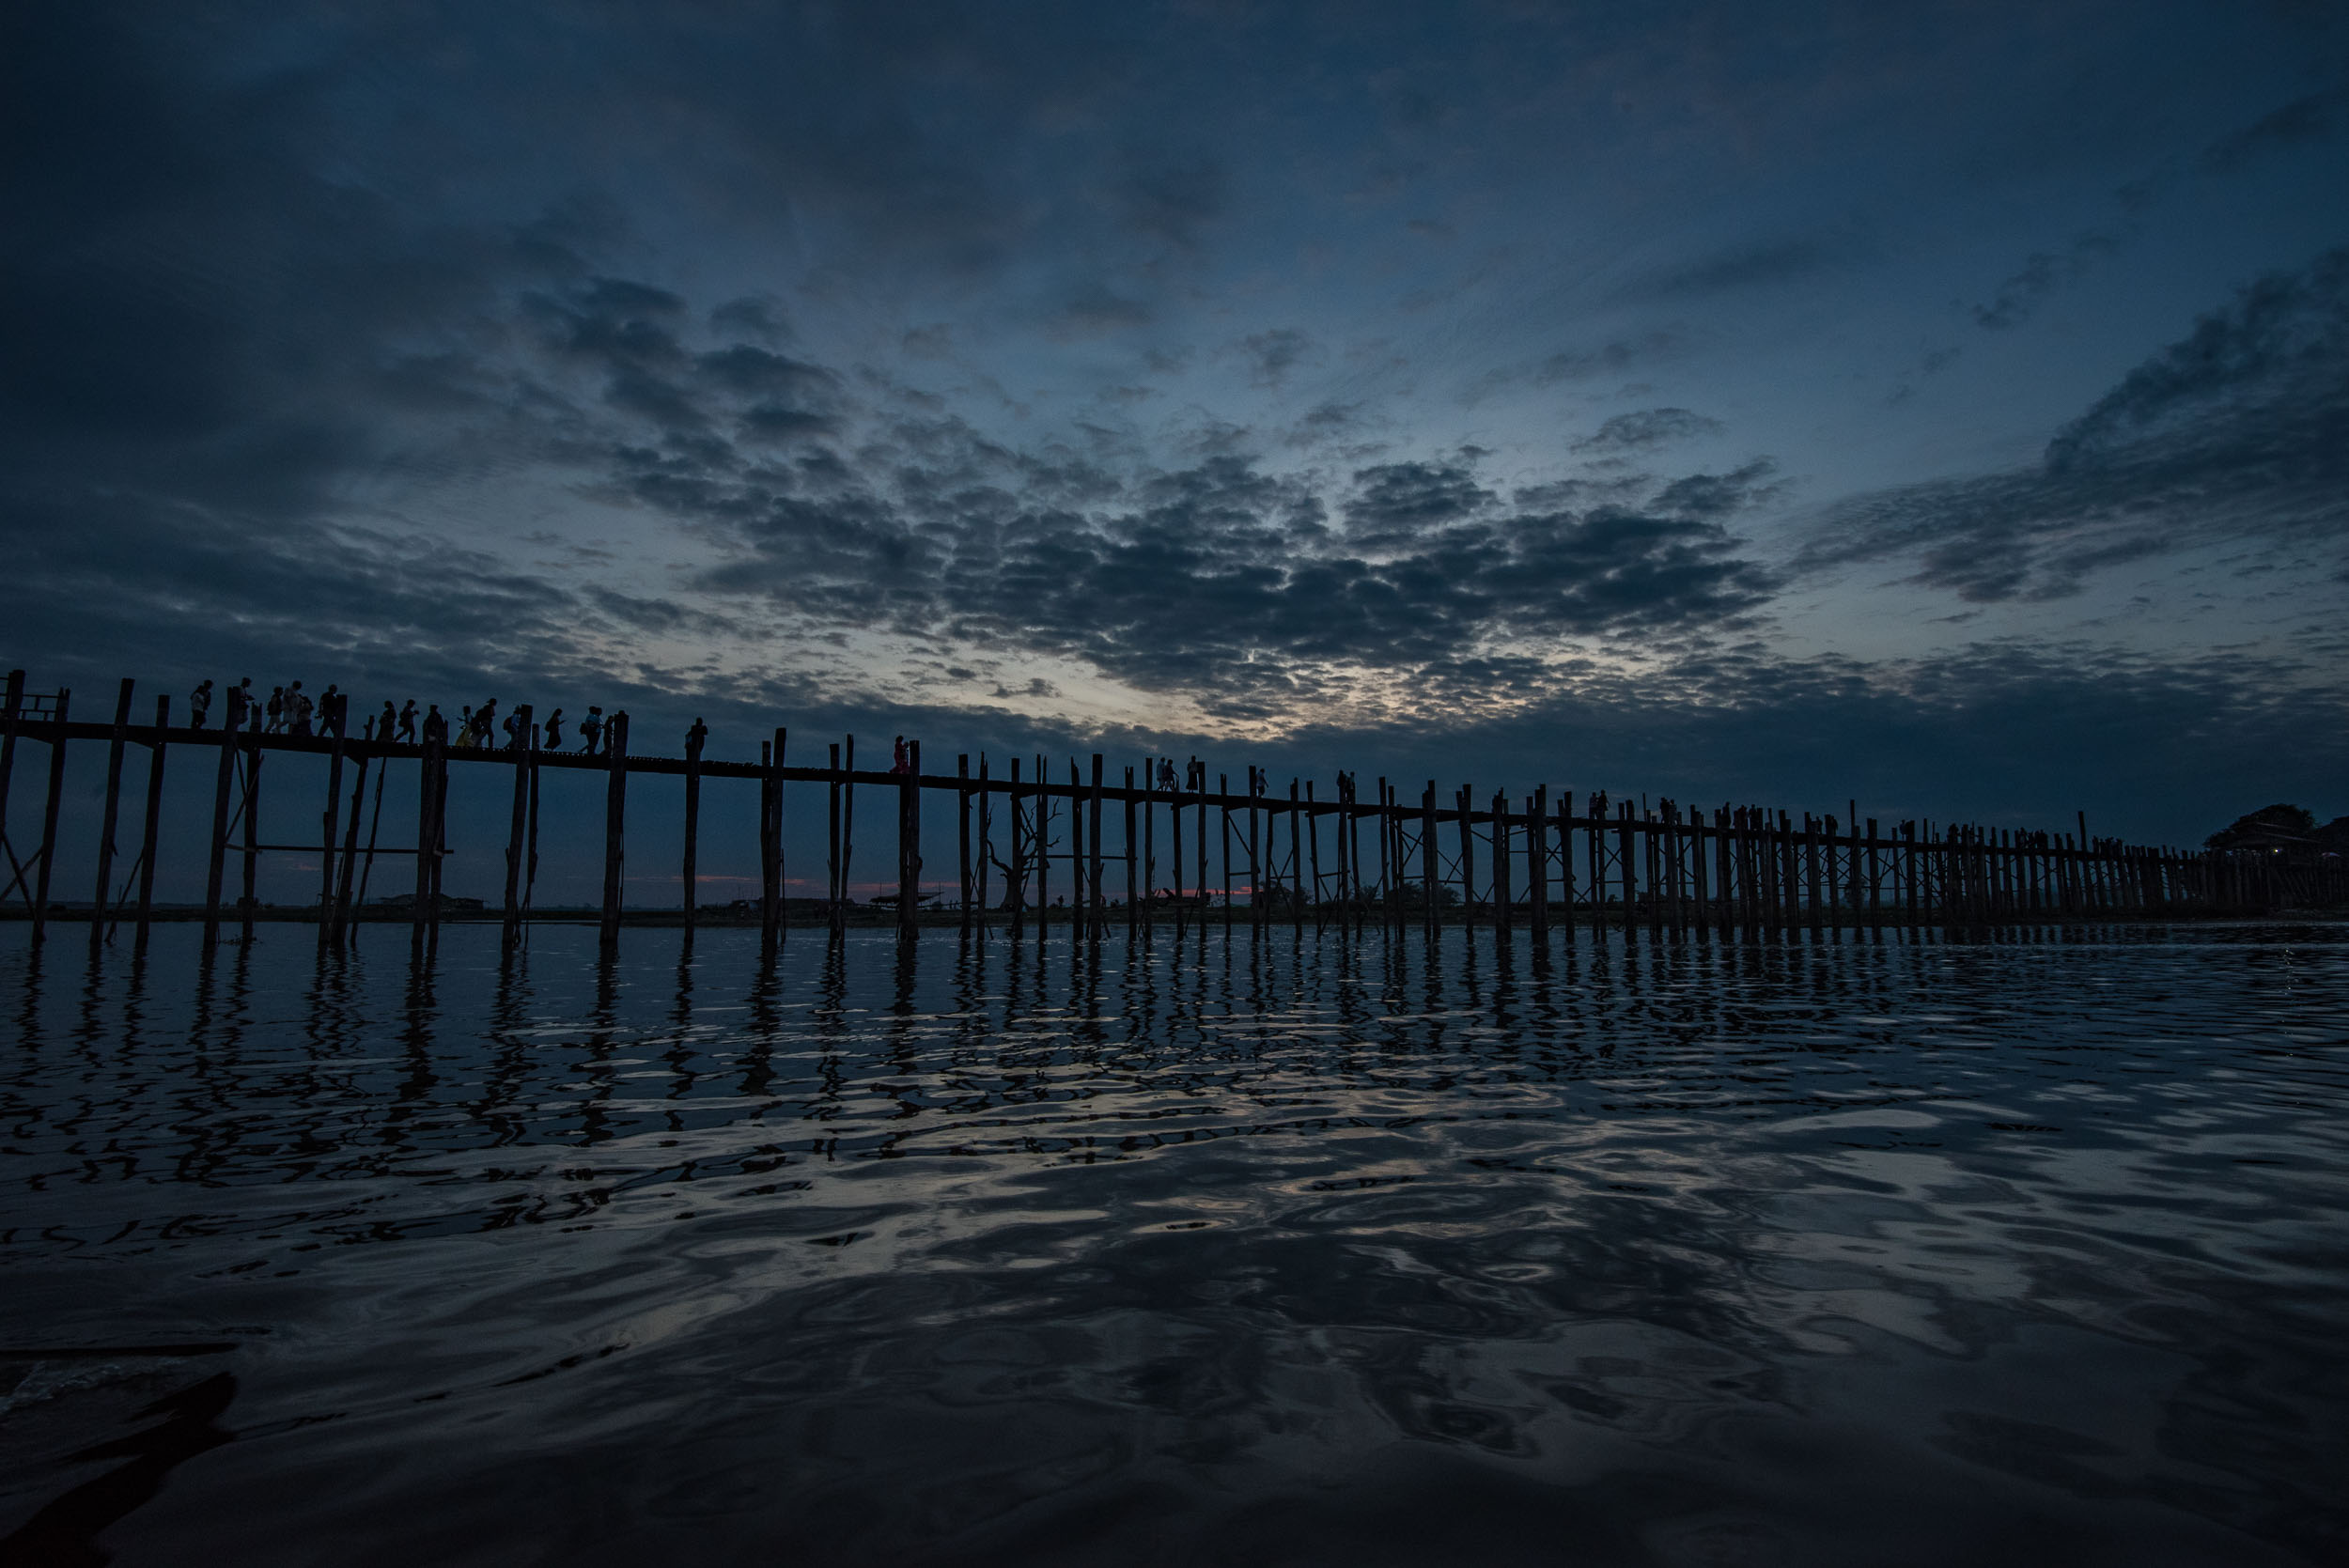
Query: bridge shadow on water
[(1271, 1248)]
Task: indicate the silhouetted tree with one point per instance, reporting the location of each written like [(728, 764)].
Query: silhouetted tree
[(2276, 826)]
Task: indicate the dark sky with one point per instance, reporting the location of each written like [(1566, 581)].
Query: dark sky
[(1946, 404)]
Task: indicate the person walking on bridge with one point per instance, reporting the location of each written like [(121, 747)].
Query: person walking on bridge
[(199, 704), (554, 730), (408, 722), (591, 733)]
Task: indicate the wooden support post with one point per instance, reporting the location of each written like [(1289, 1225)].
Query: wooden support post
[(339, 917), (615, 828), (1537, 863), (215, 866), (962, 832), (11, 714), (1429, 885), (55, 800), (1876, 884), (1565, 859), (1223, 788), (109, 814), (1624, 830), (150, 829), (1043, 837), (910, 839), (1255, 858), (427, 835), (986, 839), (1134, 910), (688, 874), (1503, 895), (1096, 903), (333, 710), (1016, 885), (1076, 898), (832, 845), (1699, 892), (770, 894), (518, 831), (774, 872)]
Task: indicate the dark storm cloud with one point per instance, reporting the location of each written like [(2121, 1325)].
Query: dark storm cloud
[(2301, 121), (1221, 578), (1271, 355), (2018, 298), (1627, 432), (1755, 265), (2241, 429)]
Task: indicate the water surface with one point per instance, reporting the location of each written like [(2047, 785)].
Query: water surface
[(1835, 1249)]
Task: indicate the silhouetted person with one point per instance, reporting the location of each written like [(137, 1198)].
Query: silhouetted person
[(298, 710), (274, 714), (485, 721), (591, 733), (435, 725), (242, 709), (517, 732), (697, 738), (899, 762), (464, 729), (199, 704), (334, 707), (388, 721), (554, 730)]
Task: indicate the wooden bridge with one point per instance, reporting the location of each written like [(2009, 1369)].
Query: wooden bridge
[(1356, 858)]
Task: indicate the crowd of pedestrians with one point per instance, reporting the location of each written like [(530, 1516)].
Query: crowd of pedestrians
[(291, 710)]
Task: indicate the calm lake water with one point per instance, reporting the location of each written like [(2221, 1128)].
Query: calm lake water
[(1321, 1250)]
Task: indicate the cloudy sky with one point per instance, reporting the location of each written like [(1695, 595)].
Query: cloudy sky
[(1946, 404)]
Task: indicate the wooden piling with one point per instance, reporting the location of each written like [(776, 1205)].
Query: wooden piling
[(1537, 863), (614, 828), (1096, 903), (962, 832), (1503, 895), (428, 836), (517, 829), (910, 839), (102, 901), (774, 871), (332, 710), (770, 894), (150, 829), (690, 872), (1566, 860), (11, 714), (987, 839), (1134, 910), (52, 802), (338, 916), (1431, 908), (249, 897)]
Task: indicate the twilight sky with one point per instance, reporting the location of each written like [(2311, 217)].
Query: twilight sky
[(1946, 404)]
